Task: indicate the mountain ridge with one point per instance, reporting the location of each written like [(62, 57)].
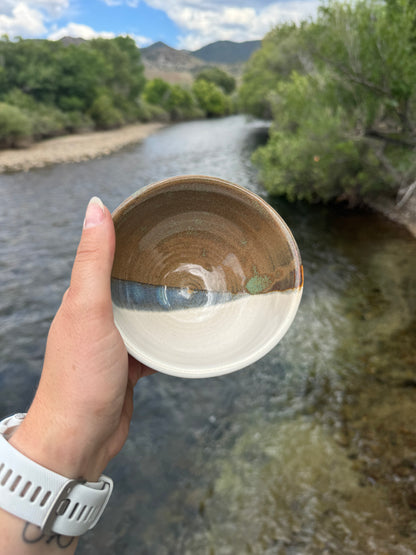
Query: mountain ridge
[(161, 60), (227, 51), (219, 52)]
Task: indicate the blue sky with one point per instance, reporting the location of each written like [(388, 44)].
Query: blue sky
[(186, 24)]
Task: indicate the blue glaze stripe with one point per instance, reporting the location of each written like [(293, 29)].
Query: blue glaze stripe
[(141, 296)]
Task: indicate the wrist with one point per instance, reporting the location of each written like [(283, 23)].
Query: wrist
[(61, 451), (45, 498)]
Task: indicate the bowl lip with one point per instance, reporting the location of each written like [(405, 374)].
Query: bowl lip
[(218, 370)]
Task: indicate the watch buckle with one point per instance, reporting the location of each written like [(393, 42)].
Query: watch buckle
[(60, 504), (54, 509)]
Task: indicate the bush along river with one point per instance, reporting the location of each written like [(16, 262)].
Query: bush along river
[(310, 450)]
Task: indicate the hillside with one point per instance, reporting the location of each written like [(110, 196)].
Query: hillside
[(161, 56), (179, 66), (227, 52), (67, 41)]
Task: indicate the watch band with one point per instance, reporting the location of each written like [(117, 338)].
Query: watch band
[(45, 498)]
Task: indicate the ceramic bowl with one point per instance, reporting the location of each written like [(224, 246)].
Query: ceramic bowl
[(207, 277)]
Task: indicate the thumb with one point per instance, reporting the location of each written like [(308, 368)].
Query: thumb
[(91, 273)]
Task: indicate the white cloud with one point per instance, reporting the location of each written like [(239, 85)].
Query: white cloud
[(22, 21), (203, 23), (140, 40), (200, 22), (21, 18), (80, 31), (131, 3), (52, 8)]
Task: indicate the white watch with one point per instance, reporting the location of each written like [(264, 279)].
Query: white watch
[(43, 497)]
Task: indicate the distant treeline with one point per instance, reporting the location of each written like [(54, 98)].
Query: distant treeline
[(48, 88), (341, 92)]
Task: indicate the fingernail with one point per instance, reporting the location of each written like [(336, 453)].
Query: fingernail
[(94, 214)]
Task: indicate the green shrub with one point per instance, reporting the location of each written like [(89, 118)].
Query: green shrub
[(180, 104), (18, 98), (175, 100), (48, 121), (156, 91), (211, 99), (15, 126), (105, 114), (71, 104), (341, 91), (219, 77), (151, 112), (312, 153), (77, 122)]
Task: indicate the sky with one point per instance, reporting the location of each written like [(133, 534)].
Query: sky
[(188, 24)]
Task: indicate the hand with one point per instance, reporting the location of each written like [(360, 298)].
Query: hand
[(80, 416)]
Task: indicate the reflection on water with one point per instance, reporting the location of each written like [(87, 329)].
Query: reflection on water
[(310, 450)]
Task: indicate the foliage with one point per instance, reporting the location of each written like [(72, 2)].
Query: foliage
[(104, 113), (78, 122), (15, 126), (49, 88), (47, 120), (177, 101), (312, 154), (151, 112), (156, 91), (343, 102), (219, 77), (211, 99), (60, 88), (280, 54)]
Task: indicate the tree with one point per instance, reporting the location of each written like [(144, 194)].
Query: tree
[(219, 77), (281, 53), (156, 91), (180, 103), (344, 123), (177, 101), (104, 113), (80, 74), (312, 153), (61, 88), (124, 73), (29, 65), (15, 126), (211, 98)]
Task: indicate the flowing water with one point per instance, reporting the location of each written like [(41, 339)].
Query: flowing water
[(312, 449)]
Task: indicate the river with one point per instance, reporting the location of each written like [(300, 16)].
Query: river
[(312, 449)]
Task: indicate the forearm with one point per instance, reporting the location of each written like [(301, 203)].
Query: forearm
[(80, 416), (22, 538)]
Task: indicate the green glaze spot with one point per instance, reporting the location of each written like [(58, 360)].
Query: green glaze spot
[(258, 284)]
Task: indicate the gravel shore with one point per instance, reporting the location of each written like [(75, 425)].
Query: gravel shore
[(74, 148)]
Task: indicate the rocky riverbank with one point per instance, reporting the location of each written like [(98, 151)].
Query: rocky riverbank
[(74, 148)]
